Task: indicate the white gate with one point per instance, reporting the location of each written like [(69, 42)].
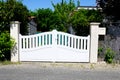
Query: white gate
[(54, 46)]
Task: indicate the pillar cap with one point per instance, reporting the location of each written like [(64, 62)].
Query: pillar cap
[(94, 23), (15, 22)]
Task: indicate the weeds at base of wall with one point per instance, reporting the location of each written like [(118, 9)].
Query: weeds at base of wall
[(109, 55), (8, 62)]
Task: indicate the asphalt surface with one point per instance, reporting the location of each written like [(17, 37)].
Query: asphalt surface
[(37, 72)]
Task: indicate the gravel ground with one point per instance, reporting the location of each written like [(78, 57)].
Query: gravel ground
[(92, 66), (60, 71), (96, 66)]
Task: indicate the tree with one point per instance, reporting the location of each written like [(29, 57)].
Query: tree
[(65, 16), (10, 10), (13, 10), (44, 19), (79, 20), (82, 18), (47, 20), (64, 11), (110, 8), (5, 45)]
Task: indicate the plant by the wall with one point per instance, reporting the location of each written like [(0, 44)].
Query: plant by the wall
[(109, 55), (5, 45), (100, 50)]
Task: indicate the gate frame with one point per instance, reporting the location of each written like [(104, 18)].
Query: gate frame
[(95, 31)]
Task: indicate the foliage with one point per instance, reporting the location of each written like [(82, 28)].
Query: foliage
[(44, 19), (82, 18), (5, 45), (65, 16), (109, 55), (33, 13), (13, 10), (80, 22), (110, 8), (64, 11), (47, 20), (100, 50)]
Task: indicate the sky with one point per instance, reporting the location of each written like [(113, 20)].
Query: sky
[(36, 4)]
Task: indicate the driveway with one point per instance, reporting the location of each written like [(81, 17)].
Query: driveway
[(58, 71)]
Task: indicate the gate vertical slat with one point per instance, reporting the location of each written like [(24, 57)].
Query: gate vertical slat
[(20, 42), (29, 42), (85, 42), (63, 36), (68, 41), (58, 39), (88, 43), (61, 39), (71, 42), (33, 44), (42, 40), (75, 43), (46, 39), (49, 39), (31, 39), (26, 43), (65, 40), (81, 45), (36, 42), (23, 43)]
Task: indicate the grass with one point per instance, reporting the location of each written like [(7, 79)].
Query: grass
[(8, 63)]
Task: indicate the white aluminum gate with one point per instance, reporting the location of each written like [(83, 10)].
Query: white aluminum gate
[(54, 46)]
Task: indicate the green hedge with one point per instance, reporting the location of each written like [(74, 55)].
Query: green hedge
[(6, 44)]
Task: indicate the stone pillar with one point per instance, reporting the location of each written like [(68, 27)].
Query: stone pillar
[(14, 33), (95, 31)]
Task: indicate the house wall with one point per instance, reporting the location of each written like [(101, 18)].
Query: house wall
[(112, 40), (32, 27)]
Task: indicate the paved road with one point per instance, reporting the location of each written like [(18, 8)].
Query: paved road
[(36, 72)]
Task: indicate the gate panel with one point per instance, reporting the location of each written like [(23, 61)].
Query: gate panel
[(54, 46)]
